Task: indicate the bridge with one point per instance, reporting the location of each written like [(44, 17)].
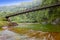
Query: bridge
[(34, 9)]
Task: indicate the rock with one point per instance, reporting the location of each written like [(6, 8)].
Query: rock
[(9, 35)]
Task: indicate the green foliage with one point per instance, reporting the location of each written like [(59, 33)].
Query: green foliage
[(47, 15), (3, 22), (45, 28), (3, 19), (37, 27)]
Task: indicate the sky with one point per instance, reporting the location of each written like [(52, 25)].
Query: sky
[(12, 2)]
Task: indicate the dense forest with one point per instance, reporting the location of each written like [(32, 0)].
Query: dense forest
[(42, 16)]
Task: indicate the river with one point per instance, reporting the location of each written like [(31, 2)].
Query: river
[(9, 35)]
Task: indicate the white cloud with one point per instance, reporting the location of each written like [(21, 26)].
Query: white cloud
[(35, 2)]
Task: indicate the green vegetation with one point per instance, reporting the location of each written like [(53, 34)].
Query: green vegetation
[(39, 27), (48, 19), (47, 16), (3, 22)]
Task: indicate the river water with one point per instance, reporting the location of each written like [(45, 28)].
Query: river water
[(9, 35)]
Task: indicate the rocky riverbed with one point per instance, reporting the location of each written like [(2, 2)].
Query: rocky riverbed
[(9, 35), (31, 35)]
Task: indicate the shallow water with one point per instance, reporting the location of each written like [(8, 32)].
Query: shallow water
[(9, 35), (30, 32)]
